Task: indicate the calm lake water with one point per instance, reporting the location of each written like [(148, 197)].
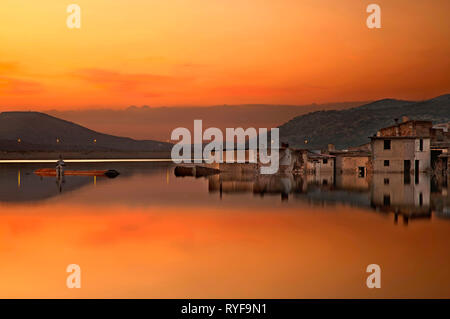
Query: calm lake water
[(149, 234)]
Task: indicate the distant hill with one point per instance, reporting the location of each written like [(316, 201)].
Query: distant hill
[(352, 127), (42, 132), (157, 123)]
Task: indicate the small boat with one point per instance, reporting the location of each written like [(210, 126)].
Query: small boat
[(52, 172)]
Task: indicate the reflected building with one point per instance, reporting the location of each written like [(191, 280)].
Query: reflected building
[(398, 194), (354, 182), (315, 190), (320, 178), (282, 184), (230, 183), (440, 195), (404, 196)]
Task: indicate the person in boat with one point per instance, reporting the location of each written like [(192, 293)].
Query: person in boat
[(60, 167)]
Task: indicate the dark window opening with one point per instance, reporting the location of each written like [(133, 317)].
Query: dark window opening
[(421, 199), (387, 144), (421, 145), (361, 171), (386, 162), (416, 171), (387, 200), (325, 161), (407, 166), (386, 181)]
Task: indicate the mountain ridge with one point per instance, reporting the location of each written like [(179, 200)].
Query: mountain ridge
[(352, 127), (18, 131), (344, 128)]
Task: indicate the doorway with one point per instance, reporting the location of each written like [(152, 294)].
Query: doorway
[(407, 166), (361, 171), (407, 172)]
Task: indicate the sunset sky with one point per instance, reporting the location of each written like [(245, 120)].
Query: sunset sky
[(198, 52)]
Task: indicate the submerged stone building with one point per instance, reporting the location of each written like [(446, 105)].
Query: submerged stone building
[(402, 148), (409, 146)]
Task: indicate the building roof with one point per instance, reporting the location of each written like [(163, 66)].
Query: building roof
[(407, 122), (319, 156), (351, 153), (397, 137), (442, 126)]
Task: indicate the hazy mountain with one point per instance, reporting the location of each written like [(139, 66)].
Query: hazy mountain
[(344, 127), (158, 122), (42, 132), (352, 127)]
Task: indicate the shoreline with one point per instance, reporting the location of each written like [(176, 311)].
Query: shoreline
[(89, 155)]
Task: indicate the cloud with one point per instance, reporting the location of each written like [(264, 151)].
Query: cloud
[(253, 90), (190, 65), (13, 86), (8, 67), (147, 84)]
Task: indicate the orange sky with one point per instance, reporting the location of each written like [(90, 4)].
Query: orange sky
[(197, 52)]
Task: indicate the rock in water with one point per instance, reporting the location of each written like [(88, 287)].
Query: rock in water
[(111, 173)]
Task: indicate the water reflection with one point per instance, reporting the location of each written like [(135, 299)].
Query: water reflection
[(402, 196), (384, 193), (393, 193), (238, 236), (30, 187)]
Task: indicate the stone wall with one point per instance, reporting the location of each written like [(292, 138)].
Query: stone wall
[(350, 164), (401, 150)]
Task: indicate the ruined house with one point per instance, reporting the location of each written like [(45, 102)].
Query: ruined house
[(227, 160), (352, 162), (440, 148), (319, 163), (403, 147), (320, 168)]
